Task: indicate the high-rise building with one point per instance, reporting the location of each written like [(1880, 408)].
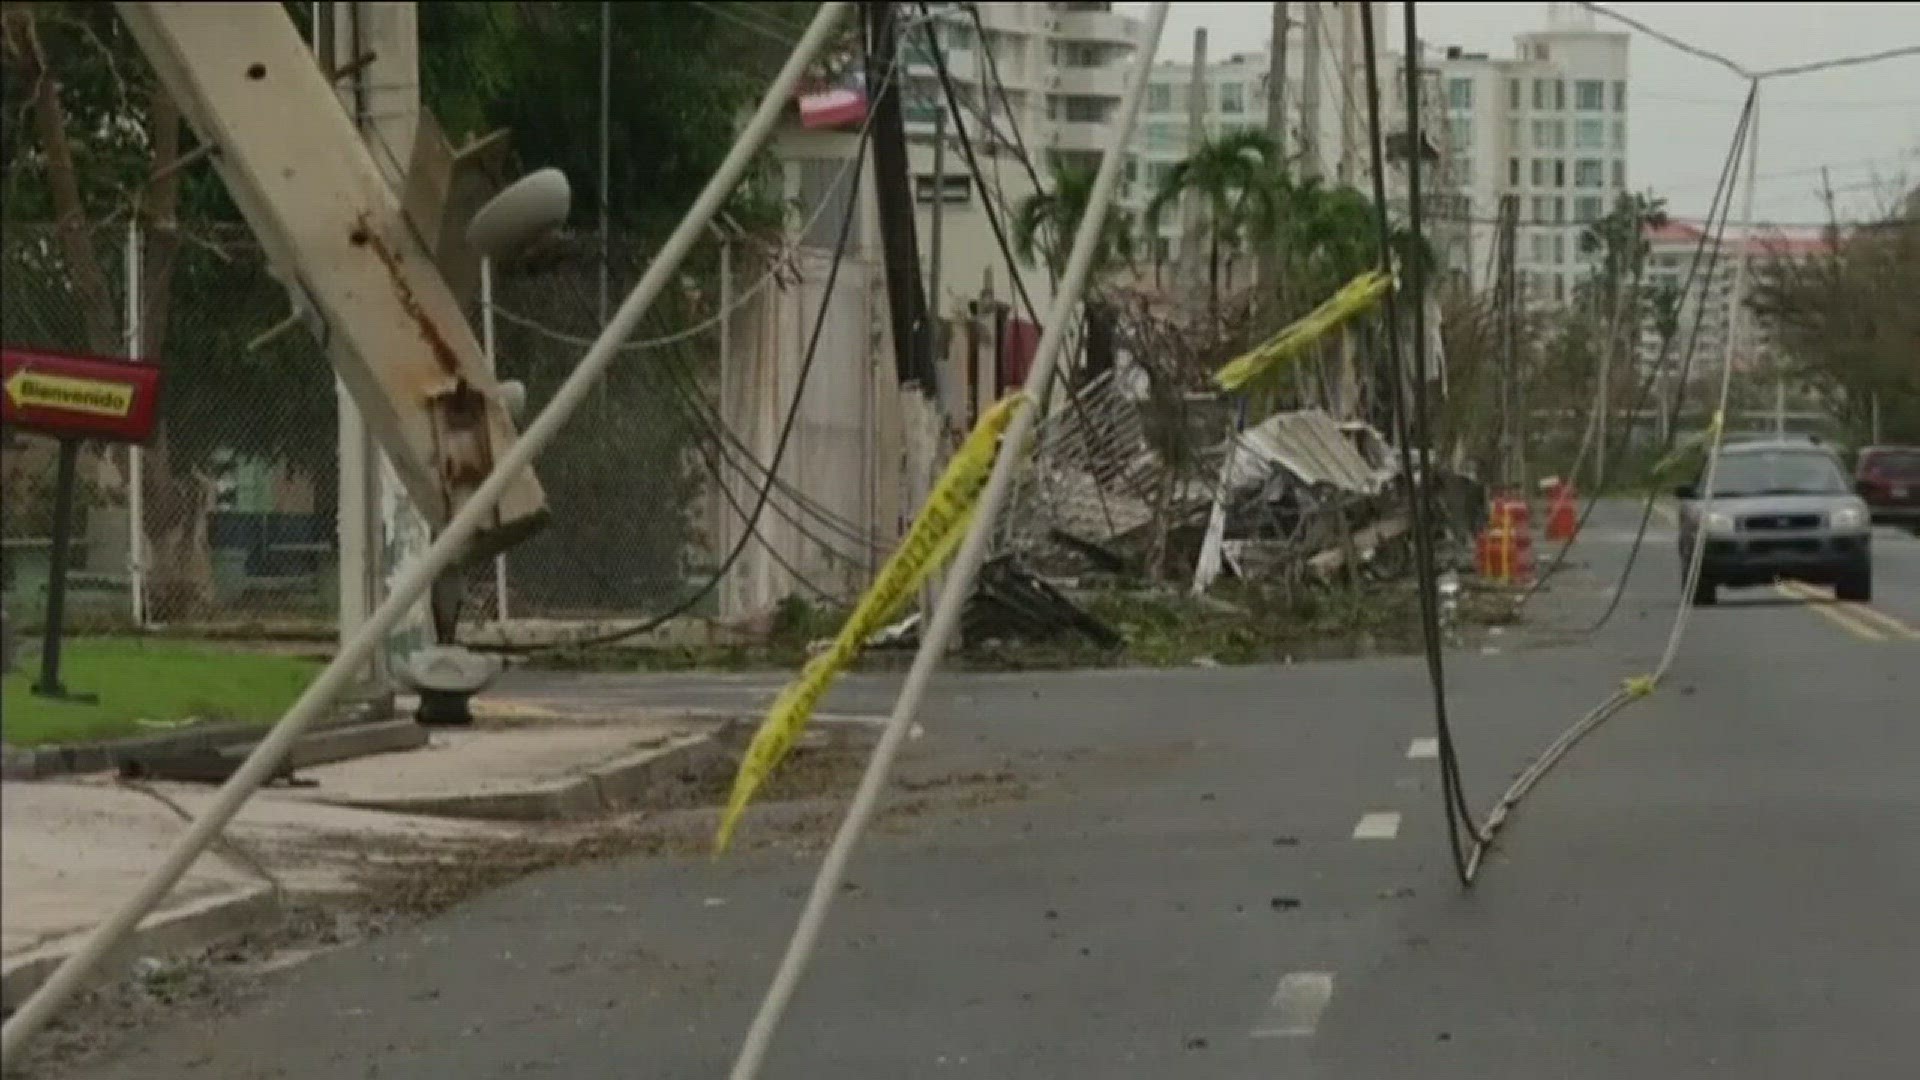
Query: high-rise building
[(1327, 132), (1705, 296), (1548, 125), (1037, 83)]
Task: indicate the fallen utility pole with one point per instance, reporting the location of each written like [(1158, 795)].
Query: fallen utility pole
[(893, 191), (453, 542)]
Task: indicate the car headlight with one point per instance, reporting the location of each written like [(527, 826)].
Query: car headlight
[(1718, 521), (1849, 517)]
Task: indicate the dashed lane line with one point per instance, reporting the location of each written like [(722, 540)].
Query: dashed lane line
[(1423, 748), (1294, 1010), (1378, 825)]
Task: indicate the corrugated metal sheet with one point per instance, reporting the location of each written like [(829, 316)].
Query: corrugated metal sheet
[(1309, 445)]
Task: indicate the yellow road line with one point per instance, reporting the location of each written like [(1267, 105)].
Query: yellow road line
[(1885, 621), (1873, 616), (1821, 606)]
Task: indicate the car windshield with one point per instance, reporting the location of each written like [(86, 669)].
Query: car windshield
[(1777, 472), (1902, 464)]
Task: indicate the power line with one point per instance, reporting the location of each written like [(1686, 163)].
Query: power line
[(1409, 430), (785, 35), (1000, 235), (780, 449), (1667, 39)]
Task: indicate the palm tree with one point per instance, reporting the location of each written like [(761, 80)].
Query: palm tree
[(1236, 176), (1045, 223)]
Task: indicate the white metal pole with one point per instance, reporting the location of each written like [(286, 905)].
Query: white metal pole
[(606, 148), (493, 368), (1736, 299), (452, 542), (136, 463), (960, 577)]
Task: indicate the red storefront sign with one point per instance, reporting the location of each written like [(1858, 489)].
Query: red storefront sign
[(79, 397)]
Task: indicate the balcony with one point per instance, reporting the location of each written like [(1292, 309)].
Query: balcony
[(1107, 27), (1108, 81)]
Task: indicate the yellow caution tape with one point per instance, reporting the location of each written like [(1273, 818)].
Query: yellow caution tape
[(935, 535), (1641, 685), (1353, 298)]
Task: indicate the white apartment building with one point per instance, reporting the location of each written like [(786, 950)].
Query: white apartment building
[(1034, 80), (1039, 79), (1706, 308), (1549, 126)]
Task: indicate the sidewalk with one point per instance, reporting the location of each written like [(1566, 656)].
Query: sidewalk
[(72, 850)]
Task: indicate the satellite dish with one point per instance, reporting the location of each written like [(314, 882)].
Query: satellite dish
[(527, 209)]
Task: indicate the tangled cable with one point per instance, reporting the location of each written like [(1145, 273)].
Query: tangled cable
[(1464, 838)]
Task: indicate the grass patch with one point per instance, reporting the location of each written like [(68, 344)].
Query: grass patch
[(147, 679)]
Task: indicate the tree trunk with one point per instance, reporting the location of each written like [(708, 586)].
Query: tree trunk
[(177, 507), (179, 501), (1213, 284)]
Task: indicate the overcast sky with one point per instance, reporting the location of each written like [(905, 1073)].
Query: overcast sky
[(1862, 122)]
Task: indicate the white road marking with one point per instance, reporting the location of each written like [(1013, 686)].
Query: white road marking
[(1419, 749), (1294, 1011), (1378, 825)]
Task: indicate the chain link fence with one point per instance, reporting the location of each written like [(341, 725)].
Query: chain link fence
[(232, 526)]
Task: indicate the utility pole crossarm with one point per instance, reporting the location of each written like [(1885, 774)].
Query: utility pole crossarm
[(333, 229)]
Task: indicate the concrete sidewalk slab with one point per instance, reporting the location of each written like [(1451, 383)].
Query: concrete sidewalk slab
[(72, 851), (538, 771)]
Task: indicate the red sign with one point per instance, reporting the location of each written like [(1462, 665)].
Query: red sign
[(79, 397)]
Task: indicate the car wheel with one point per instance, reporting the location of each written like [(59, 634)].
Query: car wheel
[(1855, 584), (1706, 592)]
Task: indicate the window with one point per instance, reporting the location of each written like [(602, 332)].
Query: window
[(958, 188), (1542, 209), (1460, 94), (1462, 165), (1163, 136), (1233, 97), (1541, 247), (1159, 98), (1513, 134), (1559, 210), (1559, 286), (1619, 95), (1539, 52), (1548, 135), (1590, 95), (1542, 94), (1513, 172), (1559, 247), (1460, 133), (1157, 173), (1589, 134), (1589, 173), (1559, 94), (1589, 208), (1619, 173), (1515, 99), (1619, 134), (1542, 172), (1559, 173)]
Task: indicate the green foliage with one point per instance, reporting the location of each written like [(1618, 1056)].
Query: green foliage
[(1045, 223), (680, 77), (1848, 325)]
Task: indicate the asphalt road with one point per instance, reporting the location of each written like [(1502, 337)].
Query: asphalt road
[(1241, 872)]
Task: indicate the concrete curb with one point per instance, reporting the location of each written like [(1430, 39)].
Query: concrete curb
[(43, 762), (629, 782), (190, 926)]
